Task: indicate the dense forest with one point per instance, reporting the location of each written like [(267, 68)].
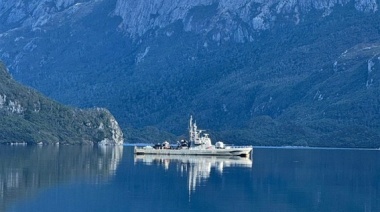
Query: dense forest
[(28, 117), (262, 73)]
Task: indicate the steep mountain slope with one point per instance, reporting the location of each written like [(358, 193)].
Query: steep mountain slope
[(271, 72), (28, 117)]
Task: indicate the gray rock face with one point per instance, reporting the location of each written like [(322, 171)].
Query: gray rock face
[(240, 62), (15, 11), (25, 24), (227, 19)]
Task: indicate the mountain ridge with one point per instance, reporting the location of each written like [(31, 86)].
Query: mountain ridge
[(242, 18), (253, 72)]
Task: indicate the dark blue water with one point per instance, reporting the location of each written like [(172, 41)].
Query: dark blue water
[(112, 179)]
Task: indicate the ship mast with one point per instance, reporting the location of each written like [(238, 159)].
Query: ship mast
[(191, 130)]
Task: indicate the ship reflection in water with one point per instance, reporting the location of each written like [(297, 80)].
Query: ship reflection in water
[(197, 168)]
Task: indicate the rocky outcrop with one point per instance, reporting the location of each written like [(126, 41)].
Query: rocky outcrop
[(28, 117), (225, 19), (242, 63), (37, 13)]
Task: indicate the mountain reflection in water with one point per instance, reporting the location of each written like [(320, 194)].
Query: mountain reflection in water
[(198, 168), (26, 169), (286, 180)]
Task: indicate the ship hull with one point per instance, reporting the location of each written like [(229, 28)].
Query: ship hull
[(235, 151)]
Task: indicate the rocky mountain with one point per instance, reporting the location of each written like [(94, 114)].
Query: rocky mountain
[(27, 117), (264, 72), (224, 19)]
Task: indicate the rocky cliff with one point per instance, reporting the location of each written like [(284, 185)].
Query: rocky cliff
[(29, 118), (224, 19), (271, 72)]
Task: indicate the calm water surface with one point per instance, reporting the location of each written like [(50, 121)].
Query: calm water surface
[(68, 178)]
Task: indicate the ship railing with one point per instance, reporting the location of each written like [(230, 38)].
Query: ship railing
[(233, 146)]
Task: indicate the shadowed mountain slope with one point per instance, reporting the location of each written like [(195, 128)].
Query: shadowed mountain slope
[(270, 72), (28, 117)]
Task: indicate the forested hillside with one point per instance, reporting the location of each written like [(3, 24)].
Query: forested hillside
[(270, 72), (27, 117)]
